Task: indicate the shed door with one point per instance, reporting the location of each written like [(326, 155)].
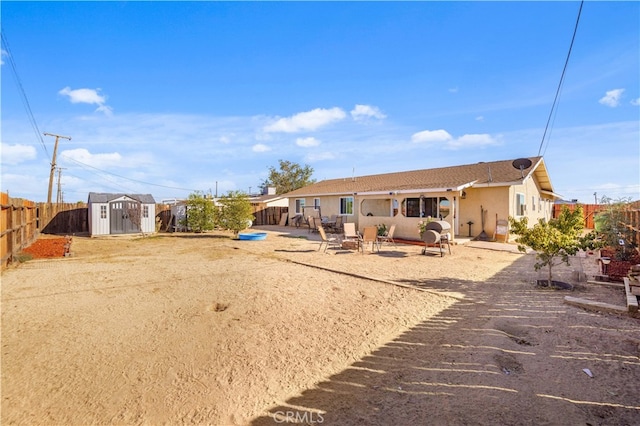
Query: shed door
[(121, 222)]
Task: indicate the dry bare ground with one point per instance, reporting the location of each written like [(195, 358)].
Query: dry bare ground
[(205, 329)]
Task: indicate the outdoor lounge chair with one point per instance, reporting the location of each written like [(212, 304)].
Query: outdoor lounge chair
[(388, 236), (350, 235), (337, 226), (369, 235), (327, 241), (313, 223)]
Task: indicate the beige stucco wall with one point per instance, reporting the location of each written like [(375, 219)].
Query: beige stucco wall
[(493, 200), (329, 205), (537, 205), (406, 227), (498, 202)]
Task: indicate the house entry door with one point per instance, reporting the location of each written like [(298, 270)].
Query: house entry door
[(121, 213)]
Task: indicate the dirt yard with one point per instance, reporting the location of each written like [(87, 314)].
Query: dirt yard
[(205, 329)]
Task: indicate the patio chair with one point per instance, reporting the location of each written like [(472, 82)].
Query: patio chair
[(337, 226), (388, 236), (350, 235), (350, 232), (313, 223), (369, 235), (328, 240)]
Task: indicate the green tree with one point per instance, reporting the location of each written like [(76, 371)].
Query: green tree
[(289, 177), (200, 212), (554, 240), (235, 212)]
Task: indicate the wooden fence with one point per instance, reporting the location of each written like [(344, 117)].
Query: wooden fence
[(268, 215), (631, 216), (64, 218), (18, 226), (632, 221), (588, 210), (21, 221)]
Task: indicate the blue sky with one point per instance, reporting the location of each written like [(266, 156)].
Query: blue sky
[(171, 97)]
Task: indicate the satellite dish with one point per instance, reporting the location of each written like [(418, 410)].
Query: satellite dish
[(521, 164)]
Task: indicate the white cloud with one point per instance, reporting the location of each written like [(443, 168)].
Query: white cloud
[(3, 53), (431, 136), (320, 156), (307, 142), (362, 112), (15, 154), (472, 141), (480, 118), (260, 148), (445, 140), (306, 121), (635, 102), (106, 109), (612, 98), (100, 161), (453, 90), (87, 96)]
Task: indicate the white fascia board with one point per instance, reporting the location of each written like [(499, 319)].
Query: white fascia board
[(551, 194), (323, 194), (495, 184), (415, 191)]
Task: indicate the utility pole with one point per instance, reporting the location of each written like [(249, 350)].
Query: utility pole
[(59, 197), (53, 163)]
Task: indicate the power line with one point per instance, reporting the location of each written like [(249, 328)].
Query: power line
[(564, 69), (124, 177), (25, 100), (116, 186)]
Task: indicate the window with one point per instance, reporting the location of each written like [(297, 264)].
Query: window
[(377, 207), (300, 205), (103, 212), (533, 203), (316, 203), (444, 209), (520, 207), (436, 207), (346, 205), (411, 207), (539, 204), (145, 211)]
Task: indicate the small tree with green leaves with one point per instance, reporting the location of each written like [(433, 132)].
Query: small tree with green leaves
[(235, 212), (200, 213), (554, 240)]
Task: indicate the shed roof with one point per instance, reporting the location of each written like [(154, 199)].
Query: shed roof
[(495, 173), (101, 197)]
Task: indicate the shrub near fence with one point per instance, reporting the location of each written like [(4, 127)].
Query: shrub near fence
[(589, 211), (631, 216)]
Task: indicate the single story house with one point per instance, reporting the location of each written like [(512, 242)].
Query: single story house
[(472, 198), (111, 214)]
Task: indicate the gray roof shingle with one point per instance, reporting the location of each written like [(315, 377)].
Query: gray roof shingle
[(101, 197), (496, 172)]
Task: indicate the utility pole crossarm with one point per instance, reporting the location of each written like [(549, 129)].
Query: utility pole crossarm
[(53, 162)]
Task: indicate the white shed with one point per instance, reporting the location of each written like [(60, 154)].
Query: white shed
[(111, 214)]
